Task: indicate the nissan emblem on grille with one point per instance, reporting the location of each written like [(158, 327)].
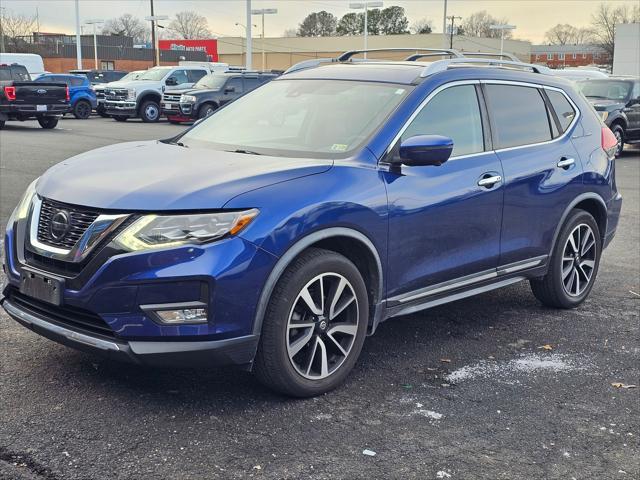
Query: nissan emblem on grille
[(59, 225)]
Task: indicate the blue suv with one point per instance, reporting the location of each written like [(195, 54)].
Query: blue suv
[(279, 232), (82, 97)]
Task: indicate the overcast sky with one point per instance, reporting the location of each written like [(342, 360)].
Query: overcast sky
[(532, 17)]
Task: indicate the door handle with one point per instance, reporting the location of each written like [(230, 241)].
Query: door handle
[(566, 162), (489, 182)]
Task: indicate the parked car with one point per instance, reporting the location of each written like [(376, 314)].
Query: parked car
[(278, 233), (32, 62), (98, 77), (617, 101), (100, 88), (208, 94), (579, 74), (21, 99), (141, 98), (82, 97)]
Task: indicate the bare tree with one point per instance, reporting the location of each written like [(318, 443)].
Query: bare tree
[(565, 34), (190, 25), (604, 21), (583, 36), (479, 25), (422, 26), (129, 26), (14, 26)]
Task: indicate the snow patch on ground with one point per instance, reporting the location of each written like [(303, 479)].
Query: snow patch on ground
[(526, 364)]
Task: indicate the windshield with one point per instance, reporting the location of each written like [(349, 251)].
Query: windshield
[(306, 118), (211, 81), (130, 77), (605, 89), (155, 74)]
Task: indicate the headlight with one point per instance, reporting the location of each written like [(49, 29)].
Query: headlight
[(22, 210), (187, 99), (162, 231), (131, 94), (603, 115)]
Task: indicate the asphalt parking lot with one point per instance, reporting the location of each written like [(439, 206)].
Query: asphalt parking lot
[(491, 387)]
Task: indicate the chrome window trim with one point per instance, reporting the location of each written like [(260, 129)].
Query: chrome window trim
[(95, 233), (424, 103)]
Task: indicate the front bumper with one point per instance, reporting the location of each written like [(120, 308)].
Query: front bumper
[(179, 111), (233, 351), (121, 108)]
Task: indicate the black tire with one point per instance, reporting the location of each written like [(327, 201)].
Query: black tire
[(174, 122), (206, 110), (273, 367), (48, 122), (100, 111), (82, 110), (551, 289), (150, 111), (2, 122), (618, 131), (120, 118)]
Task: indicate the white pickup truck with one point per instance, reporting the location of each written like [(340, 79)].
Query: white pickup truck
[(141, 97)]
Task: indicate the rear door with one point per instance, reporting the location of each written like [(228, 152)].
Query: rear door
[(444, 221), (542, 171), (633, 113)]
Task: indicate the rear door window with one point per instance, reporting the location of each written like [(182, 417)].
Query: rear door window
[(195, 75), (519, 115), (20, 74), (564, 111), (454, 113), (250, 83), (76, 82), (236, 84)]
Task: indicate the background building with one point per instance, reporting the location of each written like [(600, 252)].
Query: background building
[(560, 56), (626, 56)]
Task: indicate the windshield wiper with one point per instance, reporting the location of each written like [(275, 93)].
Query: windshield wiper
[(240, 150), (180, 144)]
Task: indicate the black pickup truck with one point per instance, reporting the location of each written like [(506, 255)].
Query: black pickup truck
[(21, 99)]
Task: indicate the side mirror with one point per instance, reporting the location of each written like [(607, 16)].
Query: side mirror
[(171, 82), (229, 89), (423, 150)]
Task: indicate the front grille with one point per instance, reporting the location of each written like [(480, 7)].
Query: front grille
[(67, 316), (171, 97), (116, 94), (79, 221), (99, 93)]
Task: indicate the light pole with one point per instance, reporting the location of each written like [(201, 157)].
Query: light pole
[(154, 21), (94, 22), (249, 60), (263, 12), (366, 6), (502, 28), (238, 24), (444, 26), (78, 44)]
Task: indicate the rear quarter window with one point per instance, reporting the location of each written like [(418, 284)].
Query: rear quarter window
[(564, 110), (519, 115)]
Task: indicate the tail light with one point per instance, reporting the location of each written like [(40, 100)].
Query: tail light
[(10, 93), (68, 98), (609, 142)]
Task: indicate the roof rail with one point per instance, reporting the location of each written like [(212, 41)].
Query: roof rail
[(442, 65), (346, 56), (308, 64), (507, 56)]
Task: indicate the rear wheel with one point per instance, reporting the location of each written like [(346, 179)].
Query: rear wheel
[(574, 263), (618, 131), (48, 122), (120, 118), (82, 110), (150, 111), (314, 326)]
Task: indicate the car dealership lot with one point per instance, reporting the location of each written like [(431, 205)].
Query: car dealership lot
[(494, 386)]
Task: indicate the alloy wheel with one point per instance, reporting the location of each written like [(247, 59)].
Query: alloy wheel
[(322, 326), (618, 136), (579, 260)]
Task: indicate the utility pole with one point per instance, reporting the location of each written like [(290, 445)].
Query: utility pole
[(153, 37), (366, 5), (453, 18), (78, 44), (249, 62), (444, 26)]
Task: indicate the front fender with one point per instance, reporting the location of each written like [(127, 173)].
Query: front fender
[(617, 117)]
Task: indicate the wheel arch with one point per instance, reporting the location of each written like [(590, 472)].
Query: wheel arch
[(619, 120), (590, 202), (351, 243), (148, 95)]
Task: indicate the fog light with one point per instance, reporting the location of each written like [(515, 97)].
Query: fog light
[(175, 314)]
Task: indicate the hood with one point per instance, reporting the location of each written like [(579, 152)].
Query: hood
[(154, 176), (604, 104), (138, 85), (180, 91)]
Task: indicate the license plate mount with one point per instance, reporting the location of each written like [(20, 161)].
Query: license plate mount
[(41, 287), (41, 108)]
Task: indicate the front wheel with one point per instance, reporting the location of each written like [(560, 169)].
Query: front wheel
[(573, 265), (314, 326), (150, 112), (618, 131), (82, 110), (206, 110), (48, 122)]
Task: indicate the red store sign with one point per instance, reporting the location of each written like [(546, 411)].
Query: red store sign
[(208, 46)]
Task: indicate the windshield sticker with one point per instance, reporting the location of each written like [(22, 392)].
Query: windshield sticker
[(400, 91), (339, 147)]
